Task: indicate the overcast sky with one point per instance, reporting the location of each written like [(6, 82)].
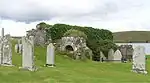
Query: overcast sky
[(17, 16)]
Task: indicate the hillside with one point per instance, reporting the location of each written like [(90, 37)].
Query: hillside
[(139, 36), (71, 71)]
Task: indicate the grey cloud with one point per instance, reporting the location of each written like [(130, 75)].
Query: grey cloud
[(30, 11)]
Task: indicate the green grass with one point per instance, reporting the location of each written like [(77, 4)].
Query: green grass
[(134, 36), (71, 71)]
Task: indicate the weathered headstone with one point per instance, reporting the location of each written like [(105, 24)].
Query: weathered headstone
[(1, 51), (2, 32), (102, 57), (50, 58), (123, 50), (20, 48), (17, 48), (117, 56), (28, 54), (138, 65), (1, 46), (6, 51), (110, 55)]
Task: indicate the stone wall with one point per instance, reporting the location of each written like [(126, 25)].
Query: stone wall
[(39, 36), (76, 46)]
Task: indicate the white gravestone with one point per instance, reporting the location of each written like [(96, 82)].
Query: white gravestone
[(138, 65), (102, 57), (17, 48), (6, 51), (117, 56), (28, 54), (110, 55), (50, 58), (20, 48)]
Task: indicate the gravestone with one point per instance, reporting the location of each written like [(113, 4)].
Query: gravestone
[(28, 54), (123, 50), (2, 32), (50, 58), (20, 48), (117, 56), (110, 55), (138, 65), (6, 51), (102, 57), (1, 51), (1, 46), (16, 48)]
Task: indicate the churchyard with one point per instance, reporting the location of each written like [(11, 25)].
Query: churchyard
[(71, 71), (33, 60)]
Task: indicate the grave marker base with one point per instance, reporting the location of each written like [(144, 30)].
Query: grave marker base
[(140, 71), (7, 65), (29, 69), (49, 65)]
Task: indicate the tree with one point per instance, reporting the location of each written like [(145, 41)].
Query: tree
[(58, 30), (75, 33), (45, 27)]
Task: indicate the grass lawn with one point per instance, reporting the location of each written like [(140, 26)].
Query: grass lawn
[(70, 71)]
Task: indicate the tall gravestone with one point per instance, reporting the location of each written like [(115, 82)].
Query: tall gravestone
[(1, 51), (20, 48), (28, 54), (50, 58), (7, 51), (2, 32), (117, 56), (1, 46), (110, 55), (16, 48), (139, 62)]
